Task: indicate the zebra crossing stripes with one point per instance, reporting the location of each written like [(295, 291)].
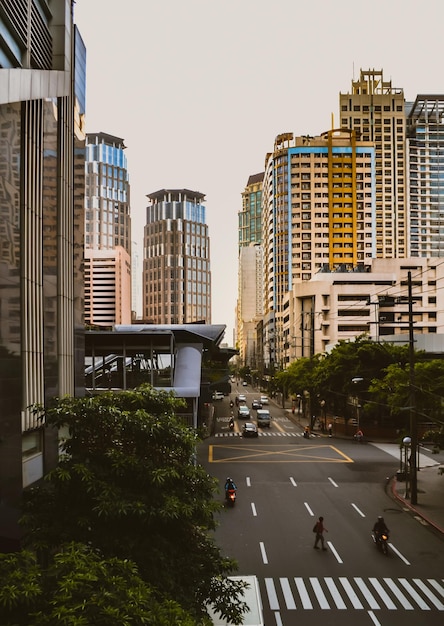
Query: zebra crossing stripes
[(355, 593), (261, 434)]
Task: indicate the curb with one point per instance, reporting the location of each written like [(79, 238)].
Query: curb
[(403, 501)]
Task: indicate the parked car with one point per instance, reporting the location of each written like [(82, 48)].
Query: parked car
[(263, 418), (243, 412), (264, 399), (218, 395), (249, 430), (256, 404)]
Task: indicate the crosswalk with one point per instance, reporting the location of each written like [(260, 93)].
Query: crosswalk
[(267, 433), (354, 593)]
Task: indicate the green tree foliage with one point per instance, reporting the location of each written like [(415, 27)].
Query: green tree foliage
[(128, 486), (80, 588)]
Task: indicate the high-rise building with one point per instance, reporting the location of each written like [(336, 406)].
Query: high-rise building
[(250, 217), (376, 112), (317, 216), (107, 231), (176, 263), (42, 108), (425, 145), (249, 302)]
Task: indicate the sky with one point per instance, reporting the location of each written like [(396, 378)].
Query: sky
[(199, 90)]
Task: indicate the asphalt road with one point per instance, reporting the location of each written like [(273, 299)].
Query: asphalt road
[(285, 483)]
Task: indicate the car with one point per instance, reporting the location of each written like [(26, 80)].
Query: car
[(264, 399), (242, 397), (245, 383), (263, 418), (218, 395), (249, 430), (243, 412), (256, 404)]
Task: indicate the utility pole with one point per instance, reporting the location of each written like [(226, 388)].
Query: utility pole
[(413, 415)]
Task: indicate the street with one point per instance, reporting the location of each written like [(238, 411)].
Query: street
[(285, 482)]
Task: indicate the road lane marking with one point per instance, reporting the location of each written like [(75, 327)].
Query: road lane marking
[(253, 508), (332, 482), (392, 547), (308, 508), (337, 598), (383, 594), (277, 617), (433, 599), (272, 596), (338, 558), (351, 593), (248, 481), (293, 482), (303, 593), (398, 594), (414, 594), (371, 600), (264, 554), (436, 585), (375, 621), (320, 595), (288, 596), (358, 510)]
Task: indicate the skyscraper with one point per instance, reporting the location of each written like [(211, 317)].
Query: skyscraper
[(42, 110), (376, 112), (425, 142), (176, 263), (107, 232), (318, 215)]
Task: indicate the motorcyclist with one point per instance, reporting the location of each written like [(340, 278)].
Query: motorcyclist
[(229, 484), (231, 422), (307, 432), (380, 527)]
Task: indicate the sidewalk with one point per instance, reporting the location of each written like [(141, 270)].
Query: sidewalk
[(430, 484)]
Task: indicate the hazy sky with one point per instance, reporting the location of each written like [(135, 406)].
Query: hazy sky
[(199, 89)]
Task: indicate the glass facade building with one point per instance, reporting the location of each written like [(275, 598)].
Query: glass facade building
[(41, 237)]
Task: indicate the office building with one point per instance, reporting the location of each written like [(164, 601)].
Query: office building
[(107, 228), (250, 217), (176, 263), (425, 147), (42, 107), (376, 112)]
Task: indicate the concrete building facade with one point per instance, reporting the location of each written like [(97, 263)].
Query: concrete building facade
[(375, 110), (176, 259)]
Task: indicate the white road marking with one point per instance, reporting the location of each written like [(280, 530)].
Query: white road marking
[(289, 600), (293, 482), (264, 554), (303, 593), (253, 508), (277, 616), (414, 594), (308, 508), (436, 585), (383, 594), (375, 621), (392, 547), (332, 482), (367, 593), (340, 604), (398, 594), (337, 557), (351, 593), (358, 510), (320, 595), (248, 481), (272, 596)]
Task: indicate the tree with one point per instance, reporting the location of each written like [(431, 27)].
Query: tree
[(128, 486), (78, 588)]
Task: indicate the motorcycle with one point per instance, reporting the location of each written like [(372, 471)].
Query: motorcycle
[(381, 541), (230, 496), (231, 424), (231, 404)]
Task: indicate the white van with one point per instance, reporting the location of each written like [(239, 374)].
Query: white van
[(252, 597), (263, 417)]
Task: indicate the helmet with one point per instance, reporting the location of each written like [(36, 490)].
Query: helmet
[(380, 518), (228, 478)]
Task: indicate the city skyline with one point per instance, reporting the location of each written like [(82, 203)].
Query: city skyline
[(199, 91)]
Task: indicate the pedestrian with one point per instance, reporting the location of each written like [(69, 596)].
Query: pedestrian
[(330, 430), (319, 529)]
